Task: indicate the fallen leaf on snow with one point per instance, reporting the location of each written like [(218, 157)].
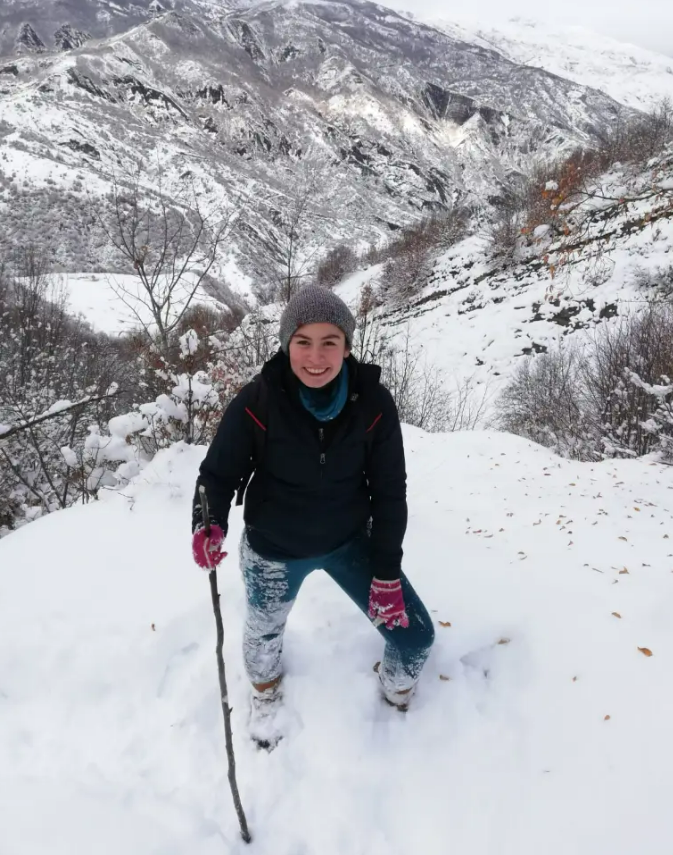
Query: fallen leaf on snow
[(607, 718), (616, 614), (621, 572), (444, 623), (504, 641), (444, 677), (645, 651)]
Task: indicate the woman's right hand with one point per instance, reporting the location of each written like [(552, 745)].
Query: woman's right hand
[(206, 548)]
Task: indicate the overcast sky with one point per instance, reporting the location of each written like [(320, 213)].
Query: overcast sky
[(644, 22)]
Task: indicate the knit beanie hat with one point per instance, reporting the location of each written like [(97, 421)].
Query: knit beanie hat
[(315, 305)]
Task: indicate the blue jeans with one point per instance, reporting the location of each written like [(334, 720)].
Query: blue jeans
[(272, 586)]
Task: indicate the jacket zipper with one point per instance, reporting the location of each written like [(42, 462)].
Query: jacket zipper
[(321, 436)]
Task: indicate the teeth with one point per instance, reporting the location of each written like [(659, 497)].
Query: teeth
[(316, 370)]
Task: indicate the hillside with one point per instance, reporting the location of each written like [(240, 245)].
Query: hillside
[(480, 311)]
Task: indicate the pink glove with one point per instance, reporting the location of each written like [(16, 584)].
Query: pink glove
[(386, 603), (206, 548)]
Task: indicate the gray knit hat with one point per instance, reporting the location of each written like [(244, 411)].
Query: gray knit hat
[(315, 305)]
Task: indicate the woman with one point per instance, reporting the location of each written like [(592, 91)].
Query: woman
[(328, 491)]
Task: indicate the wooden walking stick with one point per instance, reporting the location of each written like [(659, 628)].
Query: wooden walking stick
[(226, 709)]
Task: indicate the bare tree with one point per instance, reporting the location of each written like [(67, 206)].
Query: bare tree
[(170, 242), (299, 217), (369, 341)]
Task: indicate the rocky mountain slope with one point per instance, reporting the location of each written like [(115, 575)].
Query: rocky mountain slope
[(390, 118), (633, 75)]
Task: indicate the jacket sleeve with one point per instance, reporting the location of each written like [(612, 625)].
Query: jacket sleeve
[(227, 461), (387, 479)]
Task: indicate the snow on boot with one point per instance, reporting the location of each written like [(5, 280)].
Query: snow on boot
[(399, 700), (263, 726)]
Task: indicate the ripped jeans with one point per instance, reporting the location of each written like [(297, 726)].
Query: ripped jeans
[(272, 586)]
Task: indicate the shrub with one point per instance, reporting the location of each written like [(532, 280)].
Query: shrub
[(613, 398), (338, 263)]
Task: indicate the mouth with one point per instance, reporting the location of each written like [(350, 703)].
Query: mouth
[(316, 372)]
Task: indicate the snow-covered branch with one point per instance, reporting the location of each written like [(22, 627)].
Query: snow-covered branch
[(60, 408)]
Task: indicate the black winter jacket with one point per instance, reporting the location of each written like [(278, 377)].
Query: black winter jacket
[(316, 486)]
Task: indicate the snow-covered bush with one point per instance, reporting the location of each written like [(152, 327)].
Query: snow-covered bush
[(612, 397), (409, 256), (543, 402), (337, 264), (58, 378)]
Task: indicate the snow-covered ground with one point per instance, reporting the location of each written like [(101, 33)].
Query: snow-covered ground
[(542, 724), (114, 303), (632, 75)]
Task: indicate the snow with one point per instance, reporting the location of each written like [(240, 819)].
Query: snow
[(112, 731), (350, 288), (111, 302), (189, 344), (69, 456), (58, 407), (633, 75)]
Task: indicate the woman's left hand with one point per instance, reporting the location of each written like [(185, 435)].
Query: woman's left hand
[(386, 603)]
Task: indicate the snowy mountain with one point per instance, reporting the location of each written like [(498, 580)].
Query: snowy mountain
[(632, 75), (541, 723), (401, 117)]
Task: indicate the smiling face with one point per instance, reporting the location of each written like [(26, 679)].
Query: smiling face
[(317, 352)]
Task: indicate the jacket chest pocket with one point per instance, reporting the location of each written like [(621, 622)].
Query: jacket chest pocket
[(345, 461), (294, 461)]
